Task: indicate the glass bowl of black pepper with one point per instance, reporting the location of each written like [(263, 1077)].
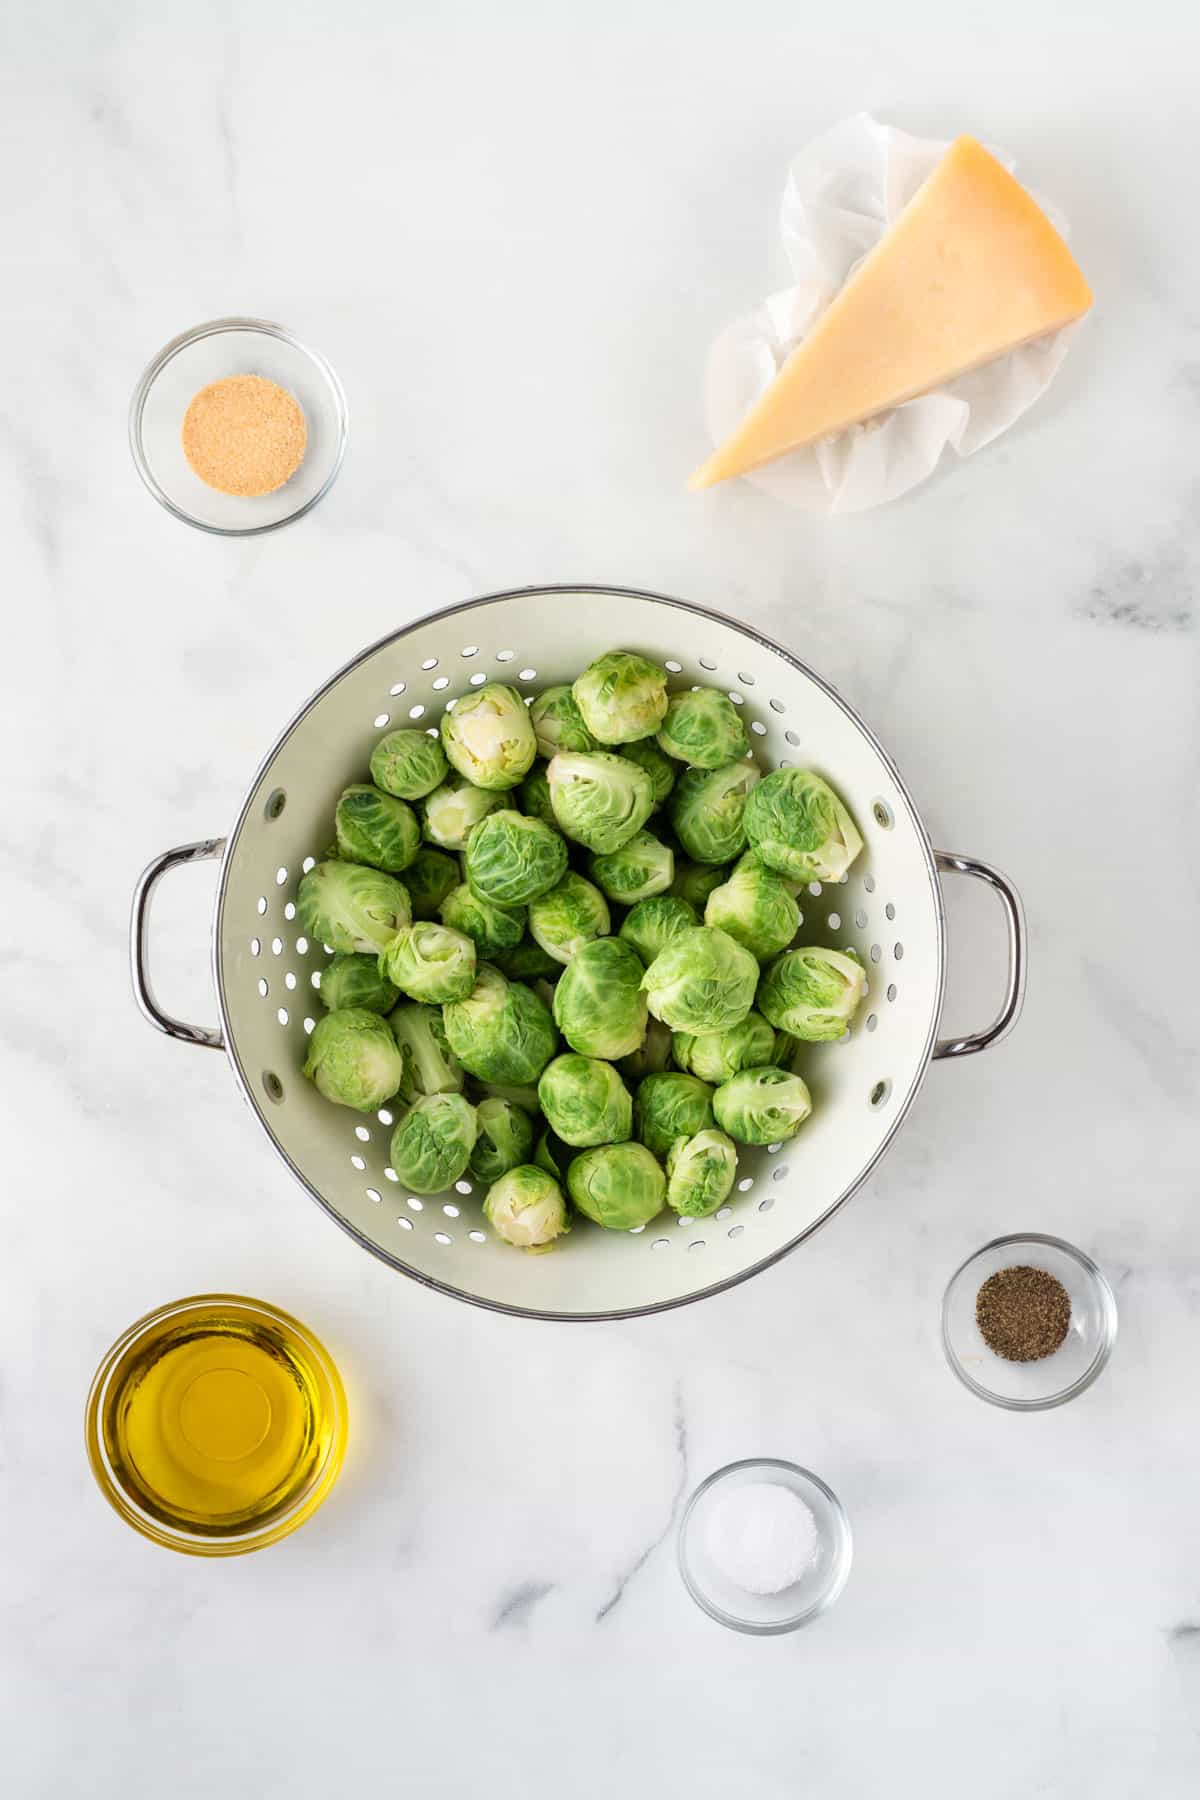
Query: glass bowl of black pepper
[(1028, 1322)]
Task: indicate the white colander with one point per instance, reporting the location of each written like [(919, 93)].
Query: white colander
[(889, 909)]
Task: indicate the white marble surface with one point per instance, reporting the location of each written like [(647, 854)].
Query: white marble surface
[(514, 230)]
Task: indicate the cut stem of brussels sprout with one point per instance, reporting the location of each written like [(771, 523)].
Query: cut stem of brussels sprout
[(639, 869), (600, 800), (408, 763), (432, 1144), (622, 697), (452, 811), (755, 908), (351, 907), (703, 728), (700, 1173), (813, 994), (762, 1106), (598, 1004), (353, 1059), (800, 826), (430, 962), (511, 859), (488, 737), (670, 1106), (526, 1208), (708, 809), (619, 1186), (703, 981), (585, 1101), (568, 917)]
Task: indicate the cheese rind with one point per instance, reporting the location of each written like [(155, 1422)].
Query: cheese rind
[(971, 269)]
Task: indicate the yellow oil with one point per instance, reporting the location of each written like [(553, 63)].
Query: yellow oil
[(218, 1420)]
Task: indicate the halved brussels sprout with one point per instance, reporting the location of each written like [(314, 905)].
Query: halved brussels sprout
[(799, 826), (453, 810), (526, 1208), (432, 1144), (715, 1056), (700, 1173), (707, 810), (598, 1004), (430, 962), (694, 882), (528, 962), (640, 868), (658, 766), (429, 877), (651, 1056), (671, 1106), (351, 907), (511, 859), (353, 1059), (622, 697), (703, 728), (569, 916), (619, 1186), (501, 1031), (533, 797), (813, 994), (599, 800), (702, 981), (375, 828), (762, 1106), (558, 724), (505, 1139), (488, 736), (651, 924), (585, 1101), (352, 979), (429, 1067), (489, 927), (754, 907), (408, 763)]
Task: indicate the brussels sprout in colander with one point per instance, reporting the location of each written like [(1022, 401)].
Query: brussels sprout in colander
[(430, 962), (352, 979), (762, 1106), (657, 764), (715, 1056), (558, 723), (350, 906), (452, 811), (813, 994), (376, 828), (526, 1208), (569, 916), (501, 1031), (694, 882), (650, 924), (598, 1003), (408, 763), (505, 1138), (622, 697), (353, 1059), (799, 826), (490, 927), (432, 1143), (429, 1066), (702, 981), (489, 738), (639, 869), (670, 1106), (585, 1101), (533, 796), (755, 907), (599, 800), (512, 859), (619, 1186), (703, 728), (700, 1173), (708, 809)]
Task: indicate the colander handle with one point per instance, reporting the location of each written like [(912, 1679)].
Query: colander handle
[(1014, 994), (139, 944)]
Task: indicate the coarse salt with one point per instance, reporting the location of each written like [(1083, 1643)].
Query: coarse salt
[(761, 1536)]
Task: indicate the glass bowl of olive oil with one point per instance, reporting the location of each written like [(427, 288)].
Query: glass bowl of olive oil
[(216, 1425)]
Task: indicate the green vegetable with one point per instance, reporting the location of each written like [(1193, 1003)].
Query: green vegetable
[(569, 916), (707, 810), (523, 1094), (526, 1208), (598, 1003), (511, 859), (600, 800), (453, 810), (429, 878), (812, 994), (754, 907), (408, 763), (717, 1055), (429, 1067), (488, 736), (352, 979), (640, 868), (661, 770), (670, 1106), (490, 927), (553, 1155), (533, 796), (703, 981), (619, 1186), (762, 1106), (501, 1031), (353, 1059), (528, 962), (375, 828), (703, 728), (430, 962), (622, 697), (799, 826), (432, 1144), (505, 1139), (651, 924), (585, 1101), (700, 1173), (351, 907), (558, 724), (694, 882), (652, 1054)]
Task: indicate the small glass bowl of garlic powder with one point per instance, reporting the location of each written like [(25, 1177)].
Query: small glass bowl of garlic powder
[(764, 1546)]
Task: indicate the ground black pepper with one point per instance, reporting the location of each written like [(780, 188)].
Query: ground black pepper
[(1023, 1313)]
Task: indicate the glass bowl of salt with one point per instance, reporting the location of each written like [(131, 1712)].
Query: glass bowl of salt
[(764, 1546)]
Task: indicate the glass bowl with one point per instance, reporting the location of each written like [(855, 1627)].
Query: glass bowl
[(1051, 1380), (766, 1615), (208, 353)]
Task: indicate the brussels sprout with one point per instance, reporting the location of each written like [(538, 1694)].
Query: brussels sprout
[(432, 1144), (527, 962), (812, 994), (599, 800), (569, 916), (375, 828), (703, 728), (702, 981), (429, 1067), (526, 1208), (354, 980), (622, 697), (501, 1031), (558, 724), (408, 763), (553, 1155), (505, 1139), (488, 736), (694, 882), (598, 1004), (717, 1055), (799, 826), (659, 767), (651, 924), (640, 868), (652, 1054), (489, 927), (430, 962), (619, 1186), (351, 907), (787, 1053), (533, 796), (511, 859), (585, 1101), (754, 907), (671, 1106), (453, 810), (707, 810), (700, 1172), (429, 877), (523, 1094), (353, 1059), (762, 1106)]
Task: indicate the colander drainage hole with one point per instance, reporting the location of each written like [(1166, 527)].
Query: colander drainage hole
[(876, 952), (263, 989), (477, 1237), (860, 919), (275, 804), (431, 662), (767, 1204), (398, 689), (403, 1223), (661, 1243), (384, 1116), (780, 1173), (442, 1237), (835, 921), (255, 946), (872, 1021), (358, 1163), (381, 719), (261, 905), (280, 876), (362, 1134), (891, 993), (375, 1195), (735, 1231), (451, 1212), (272, 1086), (745, 1184), (792, 739), (880, 1094), (705, 664), (289, 911), (883, 814), (415, 1205), (417, 711)]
